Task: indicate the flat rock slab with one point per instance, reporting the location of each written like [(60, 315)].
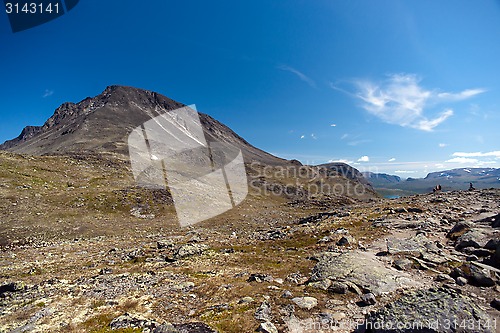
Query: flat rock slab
[(305, 302), (404, 224), (413, 246), (362, 269), (267, 327), (437, 310), (194, 327)]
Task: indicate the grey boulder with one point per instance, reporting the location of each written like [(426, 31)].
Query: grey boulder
[(439, 310)]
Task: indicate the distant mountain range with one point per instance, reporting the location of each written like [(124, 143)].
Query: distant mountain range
[(455, 179), (380, 179)]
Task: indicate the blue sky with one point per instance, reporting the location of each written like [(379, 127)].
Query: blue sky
[(403, 87)]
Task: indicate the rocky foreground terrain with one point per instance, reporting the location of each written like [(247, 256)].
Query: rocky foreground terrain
[(428, 262)]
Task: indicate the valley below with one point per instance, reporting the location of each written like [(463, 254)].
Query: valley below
[(111, 258)]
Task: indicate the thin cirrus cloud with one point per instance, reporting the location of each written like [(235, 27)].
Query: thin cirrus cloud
[(392, 159), (313, 136), (358, 142), (468, 93), (354, 140), (401, 100), (48, 93), (299, 74)]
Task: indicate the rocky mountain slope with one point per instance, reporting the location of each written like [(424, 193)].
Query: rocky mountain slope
[(102, 124), (99, 127), (347, 171)]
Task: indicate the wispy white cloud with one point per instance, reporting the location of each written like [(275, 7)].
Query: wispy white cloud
[(358, 142), (495, 154), (299, 74), (468, 93), (476, 159), (354, 140), (392, 159), (341, 161), (364, 159), (428, 125), (405, 171), (333, 125), (476, 111), (463, 160), (48, 93), (442, 145), (401, 100), (312, 135)]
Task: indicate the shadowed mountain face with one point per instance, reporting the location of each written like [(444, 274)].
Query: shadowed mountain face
[(102, 124), (347, 171), (380, 179)]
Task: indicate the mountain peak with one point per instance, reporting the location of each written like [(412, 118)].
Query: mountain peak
[(101, 124), (120, 90)]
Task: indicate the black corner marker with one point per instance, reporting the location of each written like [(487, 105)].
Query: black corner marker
[(27, 14)]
